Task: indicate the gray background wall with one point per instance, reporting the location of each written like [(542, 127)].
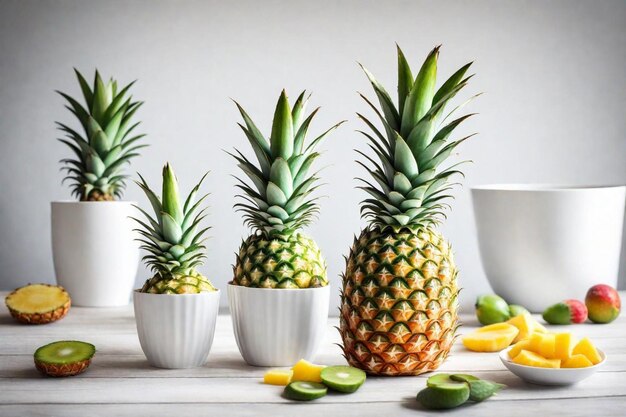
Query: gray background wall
[(554, 109)]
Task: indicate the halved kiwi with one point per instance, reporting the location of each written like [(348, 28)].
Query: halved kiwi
[(64, 358), (343, 378), (305, 391), (38, 303)]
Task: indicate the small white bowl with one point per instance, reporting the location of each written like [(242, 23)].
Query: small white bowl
[(550, 376)]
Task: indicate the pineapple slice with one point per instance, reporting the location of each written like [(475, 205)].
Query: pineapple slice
[(38, 303), (577, 361), (490, 338), (306, 371), (278, 377), (518, 347), (563, 345), (542, 344), (529, 358), (525, 324), (585, 347)]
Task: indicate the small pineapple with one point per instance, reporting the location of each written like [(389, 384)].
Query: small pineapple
[(399, 296), (108, 141), (278, 203), (173, 239)]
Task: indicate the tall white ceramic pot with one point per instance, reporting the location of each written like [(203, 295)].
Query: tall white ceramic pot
[(278, 327), (541, 244), (94, 250), (176, 330)]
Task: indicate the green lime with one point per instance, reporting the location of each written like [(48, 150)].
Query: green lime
[(515, 310), (491, 309), (441, 397), (343, 378), (305, 391)]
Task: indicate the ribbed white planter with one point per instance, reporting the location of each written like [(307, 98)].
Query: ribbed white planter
[(541, 244), (278, 327), (176, 330), (94, 251)]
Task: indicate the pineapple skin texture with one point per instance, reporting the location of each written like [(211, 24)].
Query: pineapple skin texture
[(399, 301), (178, 284), (292, 261)]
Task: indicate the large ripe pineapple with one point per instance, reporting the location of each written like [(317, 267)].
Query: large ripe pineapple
[(277, 203), (173, 239), (399, 297), (108, 141)]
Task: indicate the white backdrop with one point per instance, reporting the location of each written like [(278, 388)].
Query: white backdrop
[(553, 73)]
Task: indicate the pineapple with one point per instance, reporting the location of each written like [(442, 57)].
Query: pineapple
[(173, 239), (107, 143), (399, 297), (277, 203)]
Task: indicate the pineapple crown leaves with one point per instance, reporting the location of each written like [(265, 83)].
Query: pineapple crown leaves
[(409, 187), (108, 140), (277, 198), (172, 237)]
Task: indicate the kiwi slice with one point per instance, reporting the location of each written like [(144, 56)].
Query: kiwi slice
[(343, 378), (64, 358), (305, 391), (443, 380)]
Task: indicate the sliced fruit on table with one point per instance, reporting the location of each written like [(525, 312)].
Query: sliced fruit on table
[(576, 361), (566, 312), (490, 338), (518, 347), (304, 370), (543, 344), (464, 378), (305, 391), (525, 324), (64, 358), (443, 392), (491, 308), (585, 347), (278, 377), (563, 345), (528, 358), (603, 303), (38, 303), (343, 378)]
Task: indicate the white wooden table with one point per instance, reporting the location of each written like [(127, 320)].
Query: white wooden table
[(121, 383)]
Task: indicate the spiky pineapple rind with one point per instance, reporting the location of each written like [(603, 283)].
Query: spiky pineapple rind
[(178, 284)]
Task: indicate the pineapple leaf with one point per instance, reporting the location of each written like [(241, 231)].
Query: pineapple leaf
[(281, 140), (421, 96), (405, 80)]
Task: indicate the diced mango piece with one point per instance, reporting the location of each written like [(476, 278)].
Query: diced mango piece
[(518, 347), (306, 371), (563, 345), (577, 361), (542, 344), (490, 338), (529, 358), (539, 328), (525, 324), (278, 377), (585, 347)]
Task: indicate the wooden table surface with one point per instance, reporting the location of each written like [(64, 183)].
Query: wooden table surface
[(121, 383)]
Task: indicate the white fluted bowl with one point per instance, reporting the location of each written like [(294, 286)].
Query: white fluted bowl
[(278, 327), (176, 330)]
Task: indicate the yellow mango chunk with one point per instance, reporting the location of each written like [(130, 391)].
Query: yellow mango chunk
[(278, 377), (490, 338), (542, 344), (563, 345), (529, 358), (577, 361), (539, 328), (585, 347), (525, 324), (518, 347), (306, 371)]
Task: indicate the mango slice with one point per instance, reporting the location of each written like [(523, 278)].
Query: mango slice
[(529, 358), (577, 361), (518, 347), (525, 324), (542, 344), (278, 377), (563, 345), (585, 347), (490, 338), (306, 371)]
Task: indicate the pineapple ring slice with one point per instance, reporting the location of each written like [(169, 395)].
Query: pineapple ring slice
[(38, 303)]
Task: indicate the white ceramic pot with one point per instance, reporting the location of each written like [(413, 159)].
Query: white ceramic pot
[(176, 330), (94, 250), (542, 244), (278, 327)]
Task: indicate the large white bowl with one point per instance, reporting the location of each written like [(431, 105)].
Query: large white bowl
[(278, 327), (550, 376), (176, 330), (541, 244)]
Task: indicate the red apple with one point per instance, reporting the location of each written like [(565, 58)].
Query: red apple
[(603, 303)]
